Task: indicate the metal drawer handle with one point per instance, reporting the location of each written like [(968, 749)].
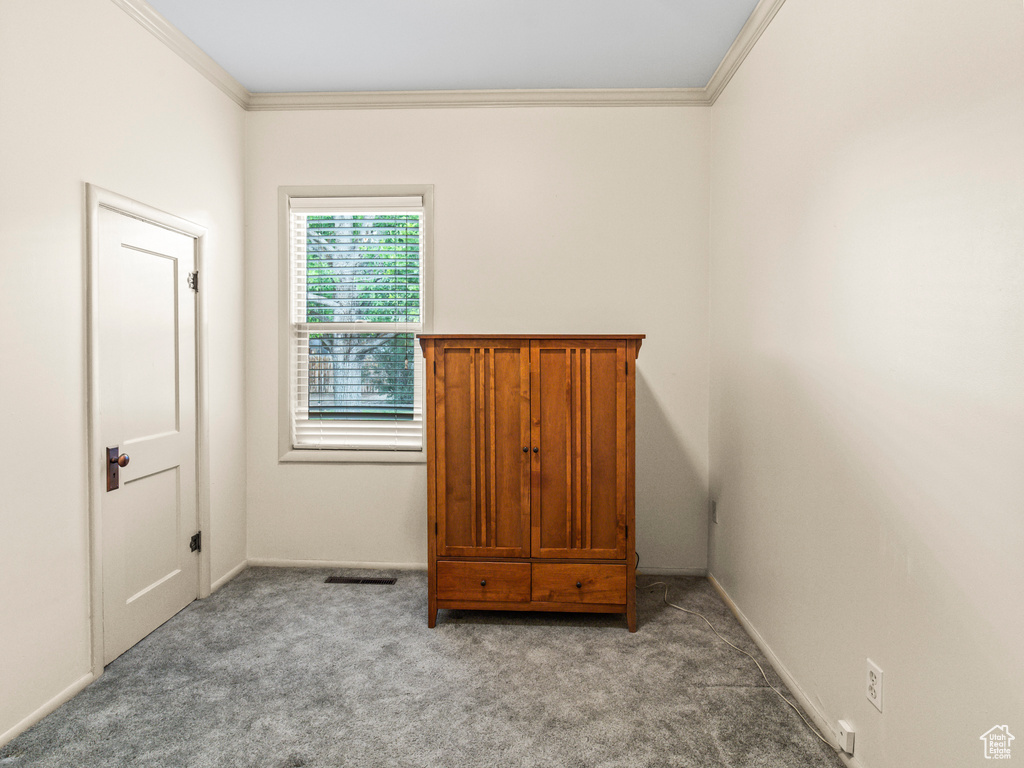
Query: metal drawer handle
[(483, 582), (579, 585)]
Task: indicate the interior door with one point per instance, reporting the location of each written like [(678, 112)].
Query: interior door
[(579, 426), (483, 483), (146, 357)]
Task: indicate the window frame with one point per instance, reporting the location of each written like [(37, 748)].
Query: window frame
[(286, 451)]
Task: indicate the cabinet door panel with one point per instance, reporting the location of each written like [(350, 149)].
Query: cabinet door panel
[(607, 457), (482, 426), (579, 424)]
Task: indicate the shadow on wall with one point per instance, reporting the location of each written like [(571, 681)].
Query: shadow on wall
[(671, 491), (829, 491)]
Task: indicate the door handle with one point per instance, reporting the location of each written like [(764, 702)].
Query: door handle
[(115, 459)]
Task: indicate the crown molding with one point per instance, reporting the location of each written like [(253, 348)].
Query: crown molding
[(752, 30), (174, 39), (568, 97)]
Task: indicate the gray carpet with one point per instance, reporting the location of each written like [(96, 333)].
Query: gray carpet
[(280, 670)]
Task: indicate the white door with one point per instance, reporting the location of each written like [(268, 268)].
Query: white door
[(146, 358)]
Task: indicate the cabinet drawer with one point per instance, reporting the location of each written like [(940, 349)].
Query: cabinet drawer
[(579, 583), (496, 582)]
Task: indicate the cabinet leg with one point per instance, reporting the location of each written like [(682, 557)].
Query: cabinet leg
[(631, 617), (431, 618)]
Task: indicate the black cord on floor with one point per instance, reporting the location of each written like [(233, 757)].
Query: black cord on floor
[(777, 691)]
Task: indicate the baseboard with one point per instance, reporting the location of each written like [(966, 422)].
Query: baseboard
[(68, 693), (228, 576), (276, 563), (271, 562), (656, 571), (821, 722)]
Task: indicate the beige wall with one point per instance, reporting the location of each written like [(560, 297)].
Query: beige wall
[(867, 337), (87, 95), (546, 220)]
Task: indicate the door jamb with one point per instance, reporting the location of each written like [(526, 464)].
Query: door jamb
[(96, 198)]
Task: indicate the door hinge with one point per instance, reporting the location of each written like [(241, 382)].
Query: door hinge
[(193, 281), (195, 544)]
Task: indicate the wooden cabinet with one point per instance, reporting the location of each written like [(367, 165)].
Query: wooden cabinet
[(530, 461)]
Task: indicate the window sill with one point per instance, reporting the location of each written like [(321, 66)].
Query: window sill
[(328, 456)]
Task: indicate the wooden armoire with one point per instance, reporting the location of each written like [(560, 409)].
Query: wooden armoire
[(530, 462)]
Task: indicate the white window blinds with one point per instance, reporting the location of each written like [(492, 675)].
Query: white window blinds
[(356, 306)]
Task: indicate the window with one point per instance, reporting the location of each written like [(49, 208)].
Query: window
[(356, 300)]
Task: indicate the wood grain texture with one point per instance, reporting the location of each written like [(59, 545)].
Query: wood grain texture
[(488, 582), (579, 583), (482, 473), (531, 446)]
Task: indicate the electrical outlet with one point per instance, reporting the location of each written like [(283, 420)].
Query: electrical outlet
[(874, 685), (714, 512)]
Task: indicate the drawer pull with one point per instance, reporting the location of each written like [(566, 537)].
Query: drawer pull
[(579, 585), (483, 582)]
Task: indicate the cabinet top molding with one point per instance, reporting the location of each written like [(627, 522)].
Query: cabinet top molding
[(637, 337)]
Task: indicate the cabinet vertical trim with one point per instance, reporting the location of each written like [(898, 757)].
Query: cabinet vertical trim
[(493, 464), (428, 351), (535, 441), (526, 435), (577, 447), (589, 450), (621, 452), (440, 451), (473, 404), (568, 449)]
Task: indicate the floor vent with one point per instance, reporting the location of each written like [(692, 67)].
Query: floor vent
[(358, 580)]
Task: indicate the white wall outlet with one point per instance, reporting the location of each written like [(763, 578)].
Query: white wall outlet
[(846, 735), (714, 511), (874, 685)]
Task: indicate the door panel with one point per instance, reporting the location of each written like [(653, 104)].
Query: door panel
[(147, 402), (579, 425), (482, 425)]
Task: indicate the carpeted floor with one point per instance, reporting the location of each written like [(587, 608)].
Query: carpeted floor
[(279, 670)]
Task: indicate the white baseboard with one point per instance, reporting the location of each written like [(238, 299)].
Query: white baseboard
[(281, 563), (656, 571), (228, 576), (65, 695), (821, 722), (275, 563)]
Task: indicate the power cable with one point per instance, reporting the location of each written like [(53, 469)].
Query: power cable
[(767, 681)]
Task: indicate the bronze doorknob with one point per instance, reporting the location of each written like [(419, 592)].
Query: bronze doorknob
[(121, 461)]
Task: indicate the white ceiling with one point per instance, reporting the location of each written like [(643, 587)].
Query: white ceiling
[(273, 46)]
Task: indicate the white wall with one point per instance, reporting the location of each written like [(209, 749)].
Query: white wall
[(867, 337), (87, 95), (546, 220)]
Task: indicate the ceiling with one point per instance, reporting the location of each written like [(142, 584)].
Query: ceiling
[(294, 46)]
